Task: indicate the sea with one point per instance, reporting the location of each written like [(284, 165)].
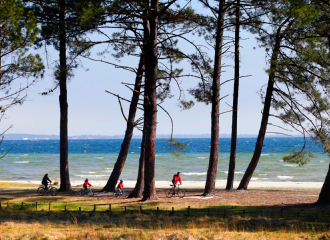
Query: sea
[(94, 159)]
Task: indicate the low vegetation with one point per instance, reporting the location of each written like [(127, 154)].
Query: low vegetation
[(70, 216)]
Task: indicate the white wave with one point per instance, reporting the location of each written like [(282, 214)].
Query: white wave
[(156, 155), (262, 174), (238, 172), (139, 147), (91, 176), (89, 172), (322, 161), (194, 173), (224, 171), (264, 178), (24, 155), (108, 171), (132, 152), (99, 157), (281, 160), (201, 157), (254, 178), (289, 165), (21, 161), (284, 177), (265, 154), (108, 168)]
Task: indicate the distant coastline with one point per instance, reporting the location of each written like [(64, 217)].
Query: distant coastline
[(22, 136)]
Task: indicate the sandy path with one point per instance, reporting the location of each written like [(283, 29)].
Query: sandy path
[(201, 184)]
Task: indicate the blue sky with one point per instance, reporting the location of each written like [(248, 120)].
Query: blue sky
[(93, 111)]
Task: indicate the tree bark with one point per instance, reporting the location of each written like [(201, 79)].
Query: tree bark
[(324, 197), (231, 170), (214, 151), (139, 186), (118, 167), (150, 111), (265, 114), (63, 100)]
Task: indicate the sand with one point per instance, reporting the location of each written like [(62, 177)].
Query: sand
[(201, 184), (258, 194)]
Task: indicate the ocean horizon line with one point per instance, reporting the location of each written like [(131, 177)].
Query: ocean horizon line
[(23, 136)]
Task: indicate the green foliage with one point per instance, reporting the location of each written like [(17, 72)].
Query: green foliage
[(184, 105), (176, 147), (202, 93), (299, 158), (18, 31)]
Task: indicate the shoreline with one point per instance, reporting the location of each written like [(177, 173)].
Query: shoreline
[(220, 184)]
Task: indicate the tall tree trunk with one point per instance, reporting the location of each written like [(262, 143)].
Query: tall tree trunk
[(63, 99), (150, 111), (214, 151), (265, 114), (118, 167), (0, 56), (231, 170), (324, 197), (139, 186)]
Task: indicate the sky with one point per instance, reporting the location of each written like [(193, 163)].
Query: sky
[(92, 111)]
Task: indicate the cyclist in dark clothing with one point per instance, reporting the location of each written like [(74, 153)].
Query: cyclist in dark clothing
[(45, 181)]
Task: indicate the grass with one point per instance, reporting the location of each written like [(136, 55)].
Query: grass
[(204, 222), (17, 185)]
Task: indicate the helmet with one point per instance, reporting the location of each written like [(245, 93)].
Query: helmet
[(121, 180)]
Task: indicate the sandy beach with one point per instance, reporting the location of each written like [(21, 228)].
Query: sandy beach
[(201, 184)]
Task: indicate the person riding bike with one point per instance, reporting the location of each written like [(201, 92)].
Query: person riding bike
[(121, 186), (176, 179), (86, 184), (45, 181)]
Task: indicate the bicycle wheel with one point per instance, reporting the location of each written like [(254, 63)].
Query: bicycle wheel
[(181, 193), (82, 192), (41, 191), (90, 193), (53, 191), (169, 193), (115, 194)]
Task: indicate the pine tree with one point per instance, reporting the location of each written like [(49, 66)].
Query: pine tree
[(61, 25), (18, 31), (232, 158), (295, 79)]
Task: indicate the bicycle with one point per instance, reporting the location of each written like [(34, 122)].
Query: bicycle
[(88, 192), (179, 192), (52, 190), (119, 193)]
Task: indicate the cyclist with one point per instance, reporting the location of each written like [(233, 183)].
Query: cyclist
[(120, 187), (86, 184), (176, 179), (45, 181)]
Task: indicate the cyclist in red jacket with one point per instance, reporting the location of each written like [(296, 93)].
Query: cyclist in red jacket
[(86, 184), (121, 186), (176, 179)]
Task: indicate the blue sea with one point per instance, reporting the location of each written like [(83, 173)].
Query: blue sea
[(92, 158)]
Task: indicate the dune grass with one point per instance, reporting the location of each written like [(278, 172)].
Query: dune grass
[(141, 220)]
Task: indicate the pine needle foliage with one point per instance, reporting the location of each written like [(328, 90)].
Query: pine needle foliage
[(298, 157), (18, 31)]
